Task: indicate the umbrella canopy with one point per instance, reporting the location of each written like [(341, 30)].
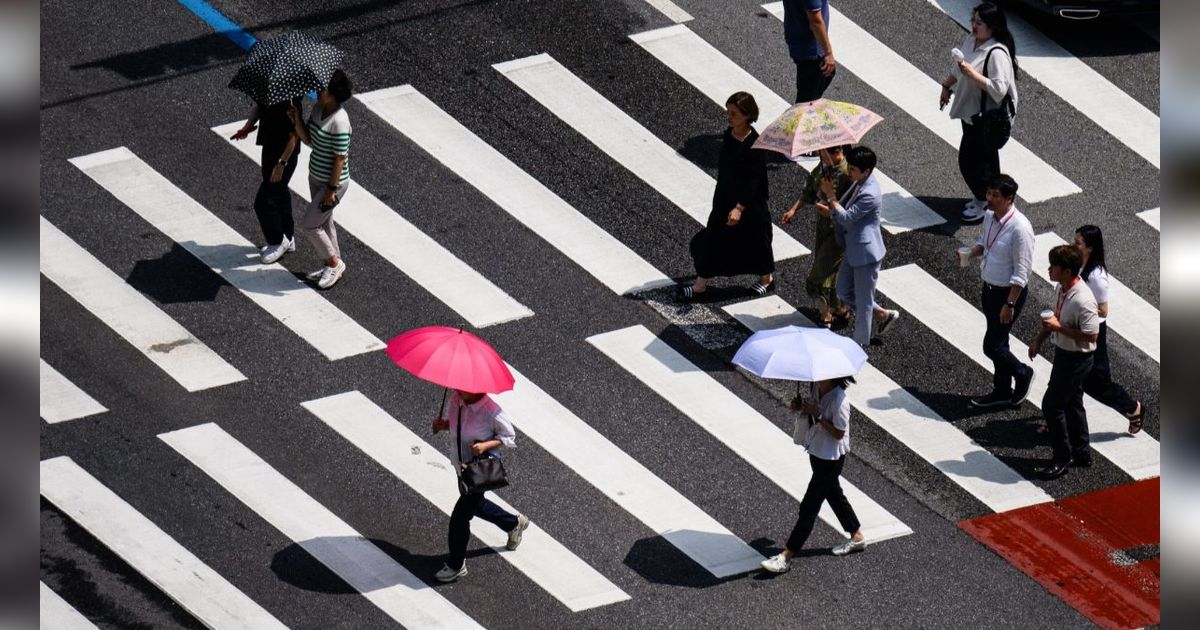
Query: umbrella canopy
[(451, 358), (800, 354), (806, 127), (279, 69)]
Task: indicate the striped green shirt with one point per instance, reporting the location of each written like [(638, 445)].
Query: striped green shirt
[(330, 137)]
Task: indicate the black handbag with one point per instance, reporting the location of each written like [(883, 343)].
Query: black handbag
[(484, 472), (995, 125)]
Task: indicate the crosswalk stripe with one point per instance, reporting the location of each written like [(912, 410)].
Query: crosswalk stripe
[(717, 76), (1151, 217), (329, 539), (54, 613), (418, 464), (130, 314), (398, 241), (671, 10), (1130, 316), (229, 254), (62, 400), (961, 324), (515, 191), (736, 424), (1118, 113), (625, 140), (915, 92), (625, 481), (149, 550), (911, 421)]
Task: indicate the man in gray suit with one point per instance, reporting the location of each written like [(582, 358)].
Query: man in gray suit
[(856, 227)]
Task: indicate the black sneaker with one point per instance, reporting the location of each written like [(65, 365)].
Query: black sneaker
[(994, 399), (1021, 388)]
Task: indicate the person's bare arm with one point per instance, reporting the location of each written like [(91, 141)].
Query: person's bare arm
[(816, 23)]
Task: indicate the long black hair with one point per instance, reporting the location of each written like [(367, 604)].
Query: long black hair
[(989, 13), (1093, 238), (842, 381)]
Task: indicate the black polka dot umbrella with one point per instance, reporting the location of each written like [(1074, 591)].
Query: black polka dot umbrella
[(284, 67)]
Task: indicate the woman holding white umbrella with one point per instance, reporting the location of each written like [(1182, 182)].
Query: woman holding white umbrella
[(827, 361)]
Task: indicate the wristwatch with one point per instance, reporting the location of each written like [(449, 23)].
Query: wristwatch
[(1011, 305)]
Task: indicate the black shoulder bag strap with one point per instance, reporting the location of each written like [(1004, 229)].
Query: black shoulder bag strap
[(1007, 102), (458, 454)]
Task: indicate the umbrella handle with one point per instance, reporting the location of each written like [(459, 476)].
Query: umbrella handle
[(438, 413)]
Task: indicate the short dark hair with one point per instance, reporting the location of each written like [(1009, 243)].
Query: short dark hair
[(744, 101), (340, 87), (1066, 257), (862, 158), (842, 381), (1005, 185)]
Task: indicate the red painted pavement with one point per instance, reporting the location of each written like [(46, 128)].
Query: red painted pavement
[(1073, 548)]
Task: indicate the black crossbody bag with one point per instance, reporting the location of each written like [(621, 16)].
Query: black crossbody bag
[(484, 472), (995, 125)]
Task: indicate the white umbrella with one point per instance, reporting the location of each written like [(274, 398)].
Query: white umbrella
[(800, 354)]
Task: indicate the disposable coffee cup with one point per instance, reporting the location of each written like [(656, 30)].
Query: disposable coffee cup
[(964, 256), (1047, 314)]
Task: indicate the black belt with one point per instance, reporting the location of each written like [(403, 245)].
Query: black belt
[(992, 286)]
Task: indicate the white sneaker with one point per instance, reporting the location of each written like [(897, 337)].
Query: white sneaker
[(330, 275), (972, 212), (850, 546), (314, 275), (889, 319), (446, 574), (273, 253), (514, 537), (776, 564)]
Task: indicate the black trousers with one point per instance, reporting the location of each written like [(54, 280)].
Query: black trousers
[(978, 160), (468, 506), (995, 340), (822, 487), (1063, 405), (273, 202), (1099, 383), (810, 81)]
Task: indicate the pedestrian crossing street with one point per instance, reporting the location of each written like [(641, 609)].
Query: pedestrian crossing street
[(663, 507)]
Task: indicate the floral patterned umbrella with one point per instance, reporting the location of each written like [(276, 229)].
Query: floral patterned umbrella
[(806, 127)]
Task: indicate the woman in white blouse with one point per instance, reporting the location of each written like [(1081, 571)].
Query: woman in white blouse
[(988, 43), (1089, 240), (827, 441)]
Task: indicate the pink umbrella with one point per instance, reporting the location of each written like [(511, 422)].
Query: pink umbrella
[(806, 127), (451, 358)]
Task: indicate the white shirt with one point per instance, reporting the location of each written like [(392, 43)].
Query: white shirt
[(1097, 281), (835, 408), (1007, 248), (482, 421), (1000, 78)]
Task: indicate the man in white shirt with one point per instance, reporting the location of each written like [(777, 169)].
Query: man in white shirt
[(1006, 247), (1075, 327)]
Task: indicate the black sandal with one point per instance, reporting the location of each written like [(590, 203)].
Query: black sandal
[(1135, 421), (688, 293), (760, 289)]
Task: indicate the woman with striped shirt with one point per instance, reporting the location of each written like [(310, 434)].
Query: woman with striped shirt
[(328, 133)]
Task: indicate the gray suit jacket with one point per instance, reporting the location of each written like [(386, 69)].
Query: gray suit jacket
[(856, 223)]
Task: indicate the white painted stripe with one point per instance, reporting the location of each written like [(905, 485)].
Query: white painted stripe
[(1151, 217), (54, 613), (671, 10), (229, 254), (911, 421), (150, 551), (625, 140), (363, 566), (916, 93), (63, 400), (746, 432), (415, 462), (1129, 315), (514, 190), (1118, 113), (415, 254), (961, 324), (625, 481), (131, 315), (717, 76)]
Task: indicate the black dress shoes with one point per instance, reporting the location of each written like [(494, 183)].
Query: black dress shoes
[(1054, 470), (1022, 381), (994, 399)]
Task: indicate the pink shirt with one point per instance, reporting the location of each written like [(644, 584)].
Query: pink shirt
[(482, 421)]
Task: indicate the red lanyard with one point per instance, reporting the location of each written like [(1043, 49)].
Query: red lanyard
[(1062, 297), (990, 240)]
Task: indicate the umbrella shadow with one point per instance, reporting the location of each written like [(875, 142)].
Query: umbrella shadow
[(307, 564), (657, 560), (703, 150), (189, 280), (241, 266)]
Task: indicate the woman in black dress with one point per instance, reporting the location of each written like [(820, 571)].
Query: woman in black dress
[(737, 237)]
